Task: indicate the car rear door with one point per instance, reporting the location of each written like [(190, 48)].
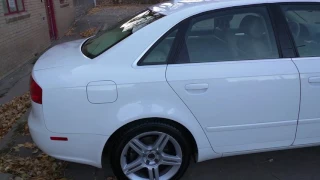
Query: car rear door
[(229, 73), (304, 24)]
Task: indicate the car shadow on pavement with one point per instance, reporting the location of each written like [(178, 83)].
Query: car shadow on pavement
[(296, 164)]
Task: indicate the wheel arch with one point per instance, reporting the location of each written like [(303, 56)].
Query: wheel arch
[(185, 131)]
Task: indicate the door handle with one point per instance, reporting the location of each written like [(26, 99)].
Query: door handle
[(314, 80), (197, 87)]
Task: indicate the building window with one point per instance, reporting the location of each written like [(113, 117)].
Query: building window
[(63, 1), (13, 6)]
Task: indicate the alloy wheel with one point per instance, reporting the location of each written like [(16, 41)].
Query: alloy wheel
[(151, 155)]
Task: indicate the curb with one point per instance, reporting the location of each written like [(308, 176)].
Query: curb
[(5, 176), (9, 137)]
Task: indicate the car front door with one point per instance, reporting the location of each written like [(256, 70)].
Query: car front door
[(229, 73), (304, 23)]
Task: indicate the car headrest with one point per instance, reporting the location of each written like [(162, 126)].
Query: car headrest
[(252, 26)]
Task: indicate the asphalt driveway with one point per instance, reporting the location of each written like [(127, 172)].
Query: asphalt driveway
[(296, 164)]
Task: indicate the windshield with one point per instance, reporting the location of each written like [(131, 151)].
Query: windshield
[(106, 39)]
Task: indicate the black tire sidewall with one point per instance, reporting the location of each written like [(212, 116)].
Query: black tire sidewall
[(149, 127)]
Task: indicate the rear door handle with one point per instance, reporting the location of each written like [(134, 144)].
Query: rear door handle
[(197, 88), (314, 80)]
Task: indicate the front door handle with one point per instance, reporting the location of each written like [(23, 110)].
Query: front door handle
[(314, 80)]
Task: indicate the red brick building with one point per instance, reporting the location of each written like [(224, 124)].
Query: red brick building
[(27, 28)]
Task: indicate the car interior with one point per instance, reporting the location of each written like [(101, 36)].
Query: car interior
[(305, 29), (226, 38), (236, 37)]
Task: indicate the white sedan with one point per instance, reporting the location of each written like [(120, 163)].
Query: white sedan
[(194, 78)]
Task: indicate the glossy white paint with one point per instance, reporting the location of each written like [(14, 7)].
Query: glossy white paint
[(197, 6), (80, 148), (229, 107), (100, 92), (309, 118), (66, 54), (270, 149), (131, 105)]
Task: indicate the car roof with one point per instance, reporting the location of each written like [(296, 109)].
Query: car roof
[(172, 6)]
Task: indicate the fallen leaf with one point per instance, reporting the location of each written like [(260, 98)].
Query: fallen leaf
[(33, 168), (89, 32), (94, 10), (16, 149), (13, 110), (7, 168), (70, 32), (29, 145), (35, 151)]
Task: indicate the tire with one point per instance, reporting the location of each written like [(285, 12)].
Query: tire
[(151, 153)]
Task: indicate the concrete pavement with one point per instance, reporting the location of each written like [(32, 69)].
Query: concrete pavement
[(16, 84)]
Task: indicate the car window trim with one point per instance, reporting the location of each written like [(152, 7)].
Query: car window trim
[(182, 26), (180, 42), (188, 20), (276, 29), (286, 40), (278, 6)]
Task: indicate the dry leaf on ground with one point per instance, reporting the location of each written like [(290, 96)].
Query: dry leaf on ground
[(70, 32), (40, 167), (29, 145), (26, 131), (89, 32), (12, 111), (95, 10), (35, 151)]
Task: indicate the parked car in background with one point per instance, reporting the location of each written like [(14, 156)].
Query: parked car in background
[(203, 79)]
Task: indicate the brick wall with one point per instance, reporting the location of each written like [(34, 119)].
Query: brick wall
[(64, 14), (22, 36)]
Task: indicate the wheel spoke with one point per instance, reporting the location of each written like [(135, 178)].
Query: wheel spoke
[(153, 173), (150, 172), (161, 142), (156, 173), (137, 146), (171, 160), (133, 167)]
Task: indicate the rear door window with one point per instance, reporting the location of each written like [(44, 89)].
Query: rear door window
[(231, 35), (159, 53)]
